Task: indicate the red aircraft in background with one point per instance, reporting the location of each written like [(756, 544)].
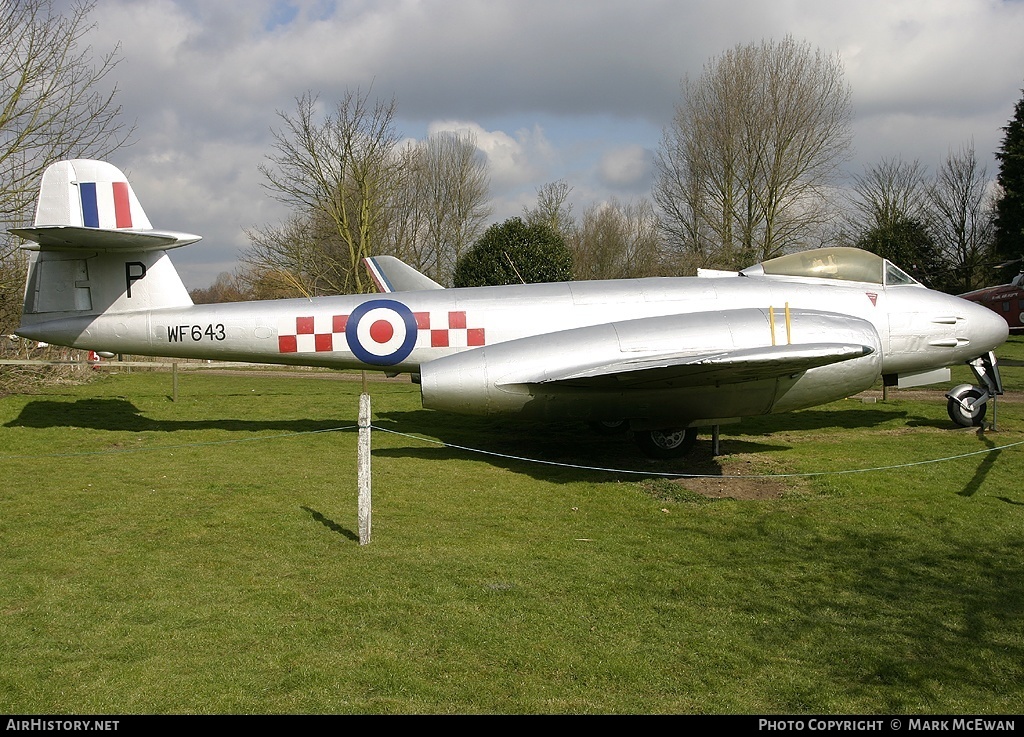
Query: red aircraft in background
[(1006, 300)]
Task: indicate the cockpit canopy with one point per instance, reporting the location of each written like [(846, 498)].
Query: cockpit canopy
[(840, 263)]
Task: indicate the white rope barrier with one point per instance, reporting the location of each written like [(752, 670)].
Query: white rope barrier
[(702, 475)]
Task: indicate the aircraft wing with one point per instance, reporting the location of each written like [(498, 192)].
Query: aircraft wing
[(720, 367), (667, 352)]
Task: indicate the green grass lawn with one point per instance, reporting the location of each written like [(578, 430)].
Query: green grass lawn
[(201, 556)]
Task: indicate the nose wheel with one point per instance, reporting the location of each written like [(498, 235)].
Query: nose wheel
[(967, 405)]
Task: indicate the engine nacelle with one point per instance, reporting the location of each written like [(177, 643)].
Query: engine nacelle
[(666, 371)]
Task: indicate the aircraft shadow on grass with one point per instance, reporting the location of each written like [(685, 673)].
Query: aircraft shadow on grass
[(506, 442), (553, 449), (121, 415), (559, 451)]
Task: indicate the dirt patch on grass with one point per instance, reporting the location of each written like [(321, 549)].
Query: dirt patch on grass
[(741, 489), (743, 477)]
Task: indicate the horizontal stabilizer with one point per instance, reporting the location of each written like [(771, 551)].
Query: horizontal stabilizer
[(722, 367), (392, 275), (71, 237)]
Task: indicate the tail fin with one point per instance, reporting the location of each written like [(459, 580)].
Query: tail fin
[(97, 251)]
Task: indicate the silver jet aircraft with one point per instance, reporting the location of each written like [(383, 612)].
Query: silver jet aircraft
[(659, 356)]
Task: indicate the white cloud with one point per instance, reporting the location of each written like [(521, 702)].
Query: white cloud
[(626, 167), (512, 159)]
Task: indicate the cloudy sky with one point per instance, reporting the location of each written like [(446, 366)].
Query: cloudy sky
[(578, 90)]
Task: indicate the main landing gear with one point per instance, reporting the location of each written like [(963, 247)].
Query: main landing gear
[(657, 444), (666, 444), (967, 404)]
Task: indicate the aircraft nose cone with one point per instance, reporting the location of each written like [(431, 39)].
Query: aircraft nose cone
[(987, 329)]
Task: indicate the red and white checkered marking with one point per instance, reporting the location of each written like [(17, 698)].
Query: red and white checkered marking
[(324, 334), (311, 334), (446, 330)]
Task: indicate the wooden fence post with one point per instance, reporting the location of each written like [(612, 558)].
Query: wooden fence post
[(363, 462)]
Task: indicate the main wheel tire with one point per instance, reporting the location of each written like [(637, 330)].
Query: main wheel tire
[(960, 414), (610, 427), (666, 444)]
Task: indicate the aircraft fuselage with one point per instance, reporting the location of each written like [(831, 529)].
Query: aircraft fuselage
[(916, 330)]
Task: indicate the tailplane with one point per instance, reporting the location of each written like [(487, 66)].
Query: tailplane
[(96, 251)]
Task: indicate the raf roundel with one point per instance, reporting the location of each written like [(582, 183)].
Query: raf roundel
[(381, 332)]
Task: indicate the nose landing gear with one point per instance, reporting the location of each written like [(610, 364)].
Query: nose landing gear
[(967, 404)]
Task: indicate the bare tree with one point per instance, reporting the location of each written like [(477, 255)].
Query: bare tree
[(227, 287), (890, 216), (53, 100), (553, 208), (407, 222), (744, 169), (962, 219), (262, 282), (343, 168), (442, 207), (55, 104), (354, 192), (889, 192), (617, 241), (305, 254)]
